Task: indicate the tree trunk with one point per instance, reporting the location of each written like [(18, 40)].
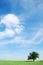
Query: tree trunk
[(33, 60)]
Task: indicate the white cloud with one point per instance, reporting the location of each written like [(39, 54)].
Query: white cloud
[(19, 29), (10, 20), (36, 39), (13, 27), (12, 24), (6, 33)]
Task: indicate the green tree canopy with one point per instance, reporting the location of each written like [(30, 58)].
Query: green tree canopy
[(33, 55)]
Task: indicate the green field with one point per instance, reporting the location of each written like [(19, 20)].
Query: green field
[(21, 63)]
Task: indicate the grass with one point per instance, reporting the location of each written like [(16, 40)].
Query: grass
[(21, 62)]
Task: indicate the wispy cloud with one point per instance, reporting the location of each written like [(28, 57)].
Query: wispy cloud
[(36, 39)]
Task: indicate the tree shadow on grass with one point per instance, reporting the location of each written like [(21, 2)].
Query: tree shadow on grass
[(28, 61)]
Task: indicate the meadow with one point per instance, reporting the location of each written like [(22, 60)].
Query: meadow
[(21, 62)]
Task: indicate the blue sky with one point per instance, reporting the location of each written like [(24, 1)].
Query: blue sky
[(21, 28)]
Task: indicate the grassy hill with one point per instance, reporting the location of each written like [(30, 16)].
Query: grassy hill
[(21, 63)]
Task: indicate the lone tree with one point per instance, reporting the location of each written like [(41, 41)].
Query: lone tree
[(33, 55)]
